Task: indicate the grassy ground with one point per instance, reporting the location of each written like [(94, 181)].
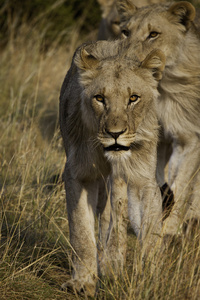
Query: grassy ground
[(34, 245)]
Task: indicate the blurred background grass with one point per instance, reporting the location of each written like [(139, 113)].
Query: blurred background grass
[(37, 41), (51, 17)]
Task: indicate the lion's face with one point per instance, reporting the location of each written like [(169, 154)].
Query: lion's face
[(119, 104), (161, 26), (118, 95)]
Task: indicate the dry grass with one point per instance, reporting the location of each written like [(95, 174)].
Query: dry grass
[(34, 247)]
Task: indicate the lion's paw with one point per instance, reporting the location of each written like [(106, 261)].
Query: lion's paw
[(75, 286)]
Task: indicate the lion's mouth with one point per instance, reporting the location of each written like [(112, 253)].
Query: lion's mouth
[(116, 147)]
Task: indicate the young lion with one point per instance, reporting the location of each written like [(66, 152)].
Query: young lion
[(110, 24), (170, 27), (109, 126)]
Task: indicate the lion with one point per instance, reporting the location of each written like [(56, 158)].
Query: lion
[(170, 28), (110, 24), (109, 125)]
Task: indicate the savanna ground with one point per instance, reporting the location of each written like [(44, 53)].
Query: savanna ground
[(35, 253)]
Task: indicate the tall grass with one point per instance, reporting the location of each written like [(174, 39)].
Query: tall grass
[(33, 219), (34, 247)]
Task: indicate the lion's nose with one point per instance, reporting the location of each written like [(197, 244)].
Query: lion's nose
[(115, 135)]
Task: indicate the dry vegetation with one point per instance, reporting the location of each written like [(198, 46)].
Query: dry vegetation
[(34, 243)]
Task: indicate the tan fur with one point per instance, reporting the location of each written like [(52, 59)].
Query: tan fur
[(179, 101), (110, 24), (89, 126)]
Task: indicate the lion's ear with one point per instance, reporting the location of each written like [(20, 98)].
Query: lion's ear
[(125, 8), (184, 12), (84, 60), (155, 61)]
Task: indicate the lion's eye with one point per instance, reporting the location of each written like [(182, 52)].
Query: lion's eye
[(99, 98), (133, 98), (125, 32), (153, 34)]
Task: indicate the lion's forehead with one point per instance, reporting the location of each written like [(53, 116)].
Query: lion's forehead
[(118, 81), (150, 11), (143, 23), (121, 72)]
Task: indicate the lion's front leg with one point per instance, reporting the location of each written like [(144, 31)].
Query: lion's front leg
[(145, 212), (81, 207), (151, 217), (184, 164), (114, 255), (104, 213)]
